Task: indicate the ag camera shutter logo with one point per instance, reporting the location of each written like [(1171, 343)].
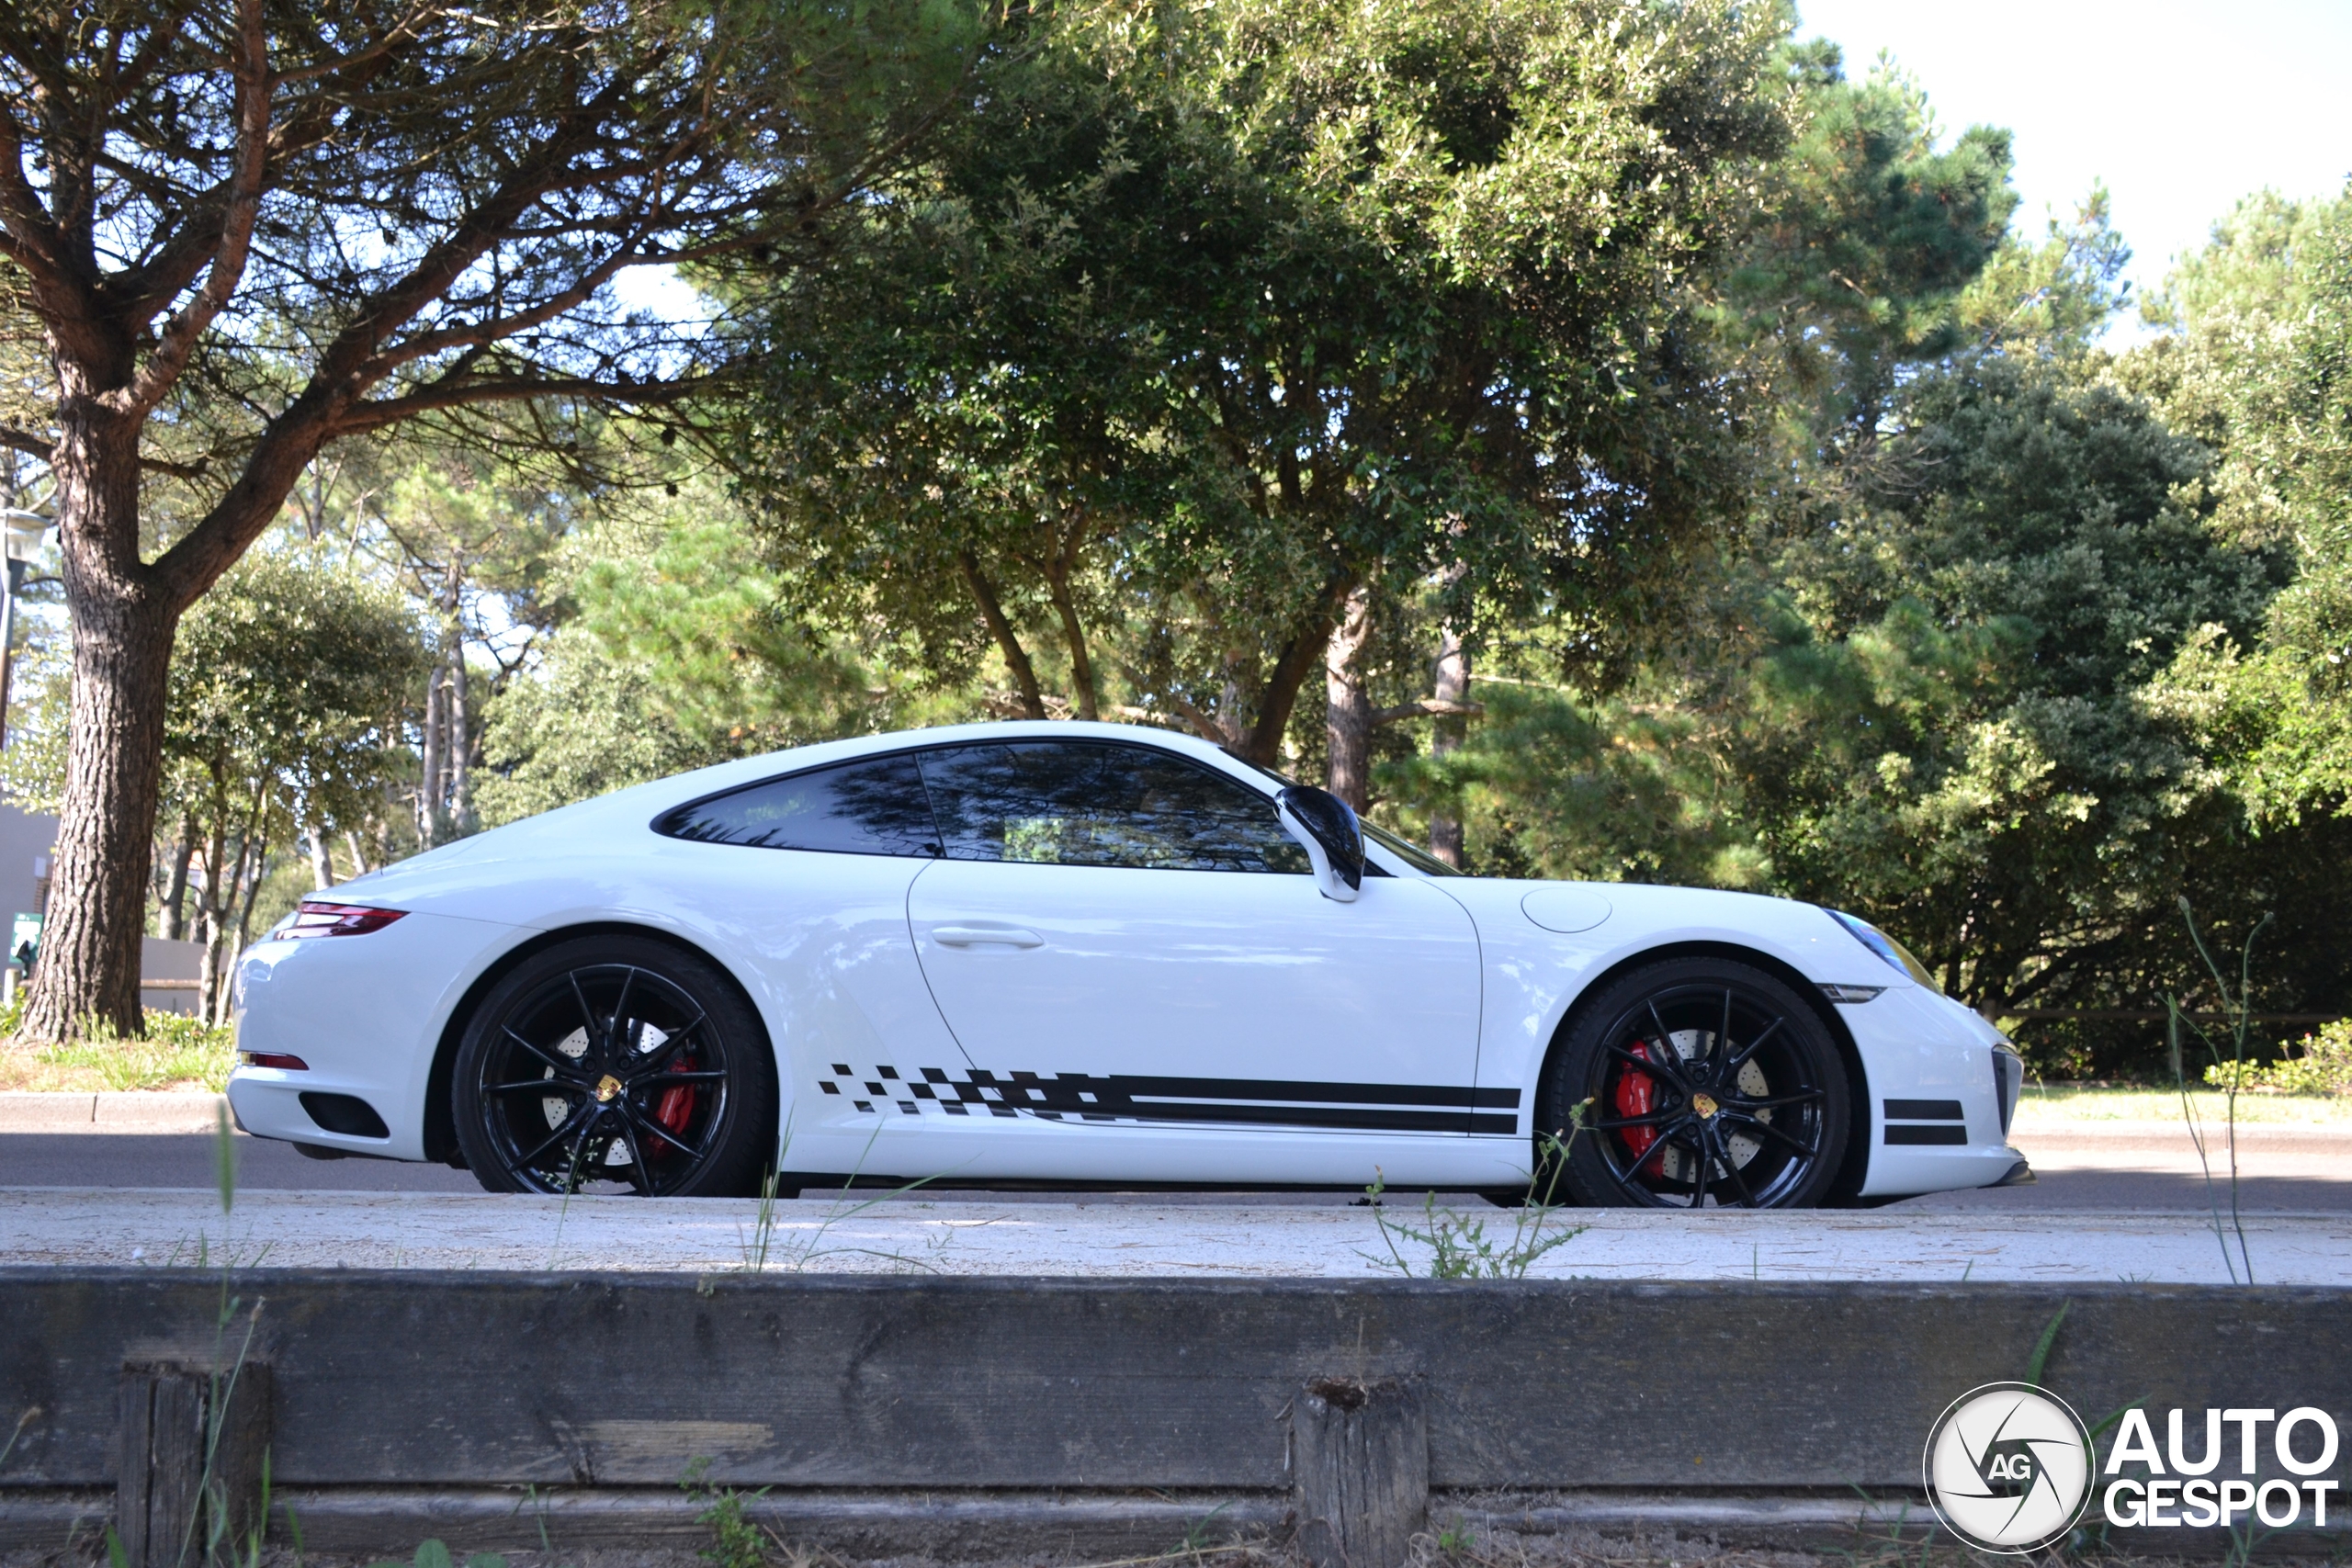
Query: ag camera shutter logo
[(2008, 1467)]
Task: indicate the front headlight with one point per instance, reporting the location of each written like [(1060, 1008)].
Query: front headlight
[(1886, 947)]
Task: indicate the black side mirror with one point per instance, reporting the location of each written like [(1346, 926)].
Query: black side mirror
[(1327, 826)]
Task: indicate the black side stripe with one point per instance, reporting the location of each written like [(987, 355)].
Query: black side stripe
[(1121, 1097), (1287, 1089), (1281, 1102), (1923, 1110)]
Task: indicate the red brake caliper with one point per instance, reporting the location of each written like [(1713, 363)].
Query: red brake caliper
[(1637, 1095), (676, 1106)]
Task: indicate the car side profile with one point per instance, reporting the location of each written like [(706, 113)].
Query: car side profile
[(1092, 954)]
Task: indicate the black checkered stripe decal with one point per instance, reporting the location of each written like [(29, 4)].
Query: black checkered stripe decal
[(1135, 1099)]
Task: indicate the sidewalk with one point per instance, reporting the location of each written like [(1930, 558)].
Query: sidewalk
[(137, 1111), (357, 1230)]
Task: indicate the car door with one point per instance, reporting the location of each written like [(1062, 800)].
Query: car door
[(1119, 935), (823, 924)]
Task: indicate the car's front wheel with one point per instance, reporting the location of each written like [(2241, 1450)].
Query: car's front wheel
[(1703, 1083), (613, 1063)]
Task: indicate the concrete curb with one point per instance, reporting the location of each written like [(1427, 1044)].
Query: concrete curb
[(130, 1111)]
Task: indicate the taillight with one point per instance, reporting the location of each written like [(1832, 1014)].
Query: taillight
[(315, 919), (277, 1059)]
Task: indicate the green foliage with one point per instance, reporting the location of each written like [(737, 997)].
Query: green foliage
[(2320, 1063), (2057, 296), (1952, 706), (674, 655), (1208, 317), (32, 767), (289, 686), (2261, 367), (1865, 238)]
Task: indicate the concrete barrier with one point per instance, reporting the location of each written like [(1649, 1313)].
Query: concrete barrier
[(957, 1415)]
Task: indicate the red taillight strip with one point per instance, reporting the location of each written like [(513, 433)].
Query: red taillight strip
[(315, 918), (279, 1060)]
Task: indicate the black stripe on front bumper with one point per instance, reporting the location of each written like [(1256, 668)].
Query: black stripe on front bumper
[(1926, 1134), (1923, 1110)]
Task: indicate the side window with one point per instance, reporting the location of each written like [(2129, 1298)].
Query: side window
[(1080, 804), (870, 808)]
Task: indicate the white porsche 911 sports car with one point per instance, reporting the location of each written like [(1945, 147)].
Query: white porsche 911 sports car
[(1029, 953)]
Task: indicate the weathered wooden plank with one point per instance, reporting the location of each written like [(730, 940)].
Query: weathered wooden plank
[(1359, 1452), (188, 1479), (160, 1466), (482, 1380)]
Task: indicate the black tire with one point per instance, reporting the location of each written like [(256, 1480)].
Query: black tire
[(613, 1063), (1752, 1111)]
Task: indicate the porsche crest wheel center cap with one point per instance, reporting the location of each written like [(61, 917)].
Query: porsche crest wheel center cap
[(607, 1087), (1704, 1104)]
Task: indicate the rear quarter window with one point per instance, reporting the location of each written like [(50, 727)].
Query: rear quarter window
[(872, 806)]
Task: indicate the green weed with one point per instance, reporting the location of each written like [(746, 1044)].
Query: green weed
[(2237, 1006), (1456, 1540), (1459, 1247), (760, 1245), (736, 1541), (1196, 1535)]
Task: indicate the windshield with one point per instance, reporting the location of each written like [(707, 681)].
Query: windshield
[(1412, 855)]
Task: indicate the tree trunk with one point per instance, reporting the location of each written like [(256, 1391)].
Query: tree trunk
[(208, 918), (428, 795), (1451, 686), (1081, 663), (123, 626), (1263, 743), (358, 854), (322, 862), (1347, 714), (1016, 658), (176, 891), (459, 745), (227, 1005)]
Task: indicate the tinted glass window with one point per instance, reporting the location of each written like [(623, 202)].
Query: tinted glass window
[(874, 807), (1097, 805)]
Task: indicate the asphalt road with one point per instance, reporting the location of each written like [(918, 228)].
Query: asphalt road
[(2101, 1168)]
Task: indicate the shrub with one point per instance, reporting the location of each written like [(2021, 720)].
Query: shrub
[(2317, 1063)]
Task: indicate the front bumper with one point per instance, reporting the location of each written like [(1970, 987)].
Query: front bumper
[(1934, 1116)]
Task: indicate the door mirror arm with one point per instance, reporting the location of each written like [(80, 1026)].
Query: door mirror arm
[(1326, 827)]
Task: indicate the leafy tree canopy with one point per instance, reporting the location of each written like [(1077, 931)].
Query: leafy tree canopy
[(1214, 318)]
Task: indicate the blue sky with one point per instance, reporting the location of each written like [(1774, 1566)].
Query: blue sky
[(2180, 105)]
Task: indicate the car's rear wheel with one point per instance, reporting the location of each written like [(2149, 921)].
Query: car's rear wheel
[(612, 1064), (1703, 1083)]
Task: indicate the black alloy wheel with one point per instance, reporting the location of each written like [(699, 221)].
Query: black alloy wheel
[(1704, 1083), (608, 1065)]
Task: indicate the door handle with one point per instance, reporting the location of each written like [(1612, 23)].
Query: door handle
[(985, 936)]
